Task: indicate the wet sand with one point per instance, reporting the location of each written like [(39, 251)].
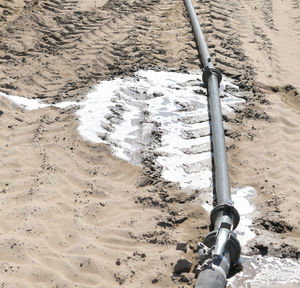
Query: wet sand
[(72, 215)]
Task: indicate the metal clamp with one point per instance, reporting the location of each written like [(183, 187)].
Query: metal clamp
[(232, 245), (207, 71), (223, 239), (227, 209), (205, 257)]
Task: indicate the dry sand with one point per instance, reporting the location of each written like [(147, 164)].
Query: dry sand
[(74, 216)]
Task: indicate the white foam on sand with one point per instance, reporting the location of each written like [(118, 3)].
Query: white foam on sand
[(25, 103), (126, 113), (264, 272), (242, 198)]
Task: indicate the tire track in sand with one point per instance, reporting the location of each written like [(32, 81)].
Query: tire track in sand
[(59, 49)]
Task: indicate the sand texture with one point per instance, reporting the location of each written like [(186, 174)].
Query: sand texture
[(59, 49), (74, 215)]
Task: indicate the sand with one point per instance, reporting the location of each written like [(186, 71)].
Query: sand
[(71, 212), (73, 215)]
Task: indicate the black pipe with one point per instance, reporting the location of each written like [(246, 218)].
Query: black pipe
[(221, 249), (212, 77), (219, 148), (215, 274)]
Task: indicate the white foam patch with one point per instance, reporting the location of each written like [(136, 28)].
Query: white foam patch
[(25, 103), (129, 113), (242, 199), (261, 272), (165, 112)]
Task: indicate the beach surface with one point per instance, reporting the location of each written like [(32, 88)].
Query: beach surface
[(73, 214)]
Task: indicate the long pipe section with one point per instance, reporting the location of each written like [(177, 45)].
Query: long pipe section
[(220, 249), (219, 150), (212, 76)]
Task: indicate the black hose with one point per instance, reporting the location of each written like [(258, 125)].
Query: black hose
[(224, 247), (214, 272)]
